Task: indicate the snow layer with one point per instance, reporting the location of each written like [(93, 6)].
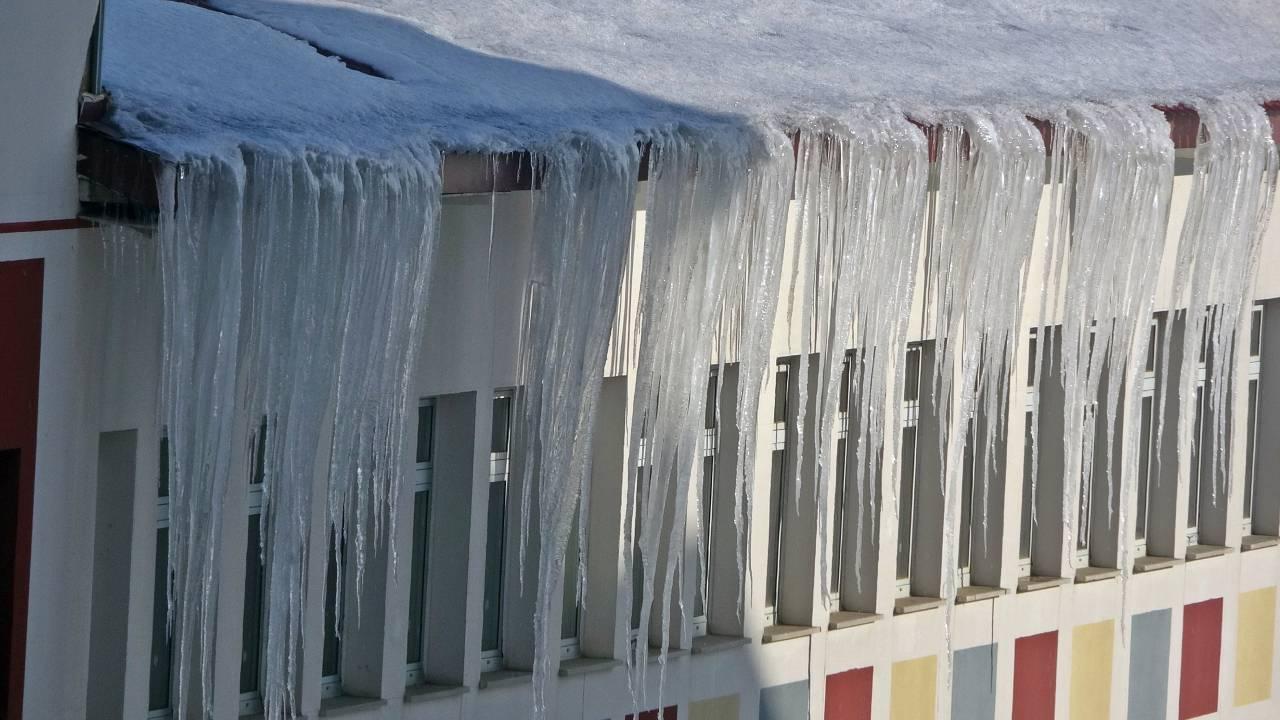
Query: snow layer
[(496, 74)]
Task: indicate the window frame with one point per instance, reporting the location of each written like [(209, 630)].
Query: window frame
[(1253, 388), (1196, 475), (784, 370), (491, 660), (250, 703), (707, 487), (911, 408), (423, 478), (1147, 445), (331, 685), (162, 524)]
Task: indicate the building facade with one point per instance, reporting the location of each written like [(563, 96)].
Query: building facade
[(440, 627)]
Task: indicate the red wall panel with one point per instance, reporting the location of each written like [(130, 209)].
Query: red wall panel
[(1035, 676), (849, 695), (668, 713), (1201, 658), (21, 300)]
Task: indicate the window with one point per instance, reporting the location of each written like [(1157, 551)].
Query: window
[(637, 557), (1146, 434), (1026, 531), (968, 500), (331, 654), (424, 456), (908, 507), (837, 524), (707, 516), (777, 489), (1199, 462), (160, 686), (251, 637), (1251, 431), (496, 533), (1092, 476), (571, 608)]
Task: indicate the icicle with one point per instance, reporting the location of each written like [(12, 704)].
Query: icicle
[(706, 193), (1117, 173), (1232, 192), (582, 219), (293, 287), (987, 198), (860, 189)]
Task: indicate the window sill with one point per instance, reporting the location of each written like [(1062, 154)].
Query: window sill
[(1151, 563), (977, 593), (1033, 583), (1257, 542), (504, 678), (1204, 552), (915, 604), (655, 653), (778, 633), (1095, 574), (425, 692), (348, 705), (842, 619), (586, 666), (707, 644)]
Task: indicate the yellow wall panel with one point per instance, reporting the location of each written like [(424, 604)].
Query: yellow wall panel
[(914, 689), (1092, 647), (1255, 640), (721, 708)]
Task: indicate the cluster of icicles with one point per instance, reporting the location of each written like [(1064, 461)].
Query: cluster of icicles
[(294, 288)]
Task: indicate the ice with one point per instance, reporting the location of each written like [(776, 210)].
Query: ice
[(1232, 192), (1115, 166), (860, 190), (709, 200), (300, 205), (293, 289)]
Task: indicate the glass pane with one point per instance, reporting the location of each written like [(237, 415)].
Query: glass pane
[(776, 494), (780, 387), (837, 525), (1024, 535), (495, 539), (418, 573), (259, 454), (637, 557), (1250, 441), (569, 606), (1152, 346), (161, 645), (163, 484), (844, 387), (966, 501), (426, 432), (501, 441), (709, 419), (1193, 487), (702, 584), (1145, 442), (1031, 360), (906, 502), (911, 391), (251, 635), (332, 619), (1255, 332)]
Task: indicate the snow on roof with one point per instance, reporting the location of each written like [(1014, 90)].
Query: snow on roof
[(500, 74)]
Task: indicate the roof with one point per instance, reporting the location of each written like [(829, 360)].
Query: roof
[(494, 75)]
